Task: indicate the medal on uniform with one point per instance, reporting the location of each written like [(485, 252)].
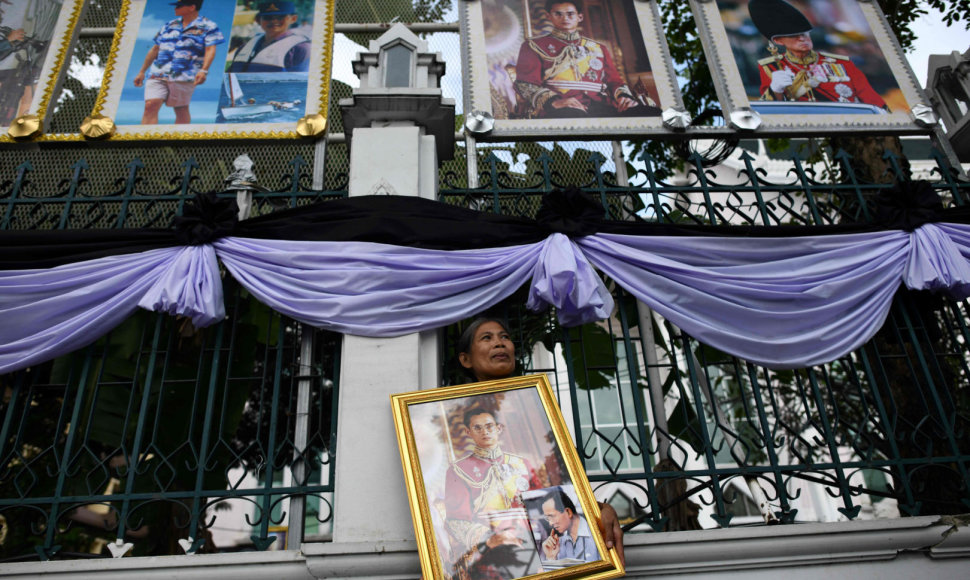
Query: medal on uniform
[(836, 72), (845, 93), (595, 64)]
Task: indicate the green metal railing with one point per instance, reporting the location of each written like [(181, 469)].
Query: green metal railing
[(160, 438), (146, 435), (679, 435)]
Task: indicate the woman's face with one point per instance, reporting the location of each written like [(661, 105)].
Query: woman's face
[(491, 354)]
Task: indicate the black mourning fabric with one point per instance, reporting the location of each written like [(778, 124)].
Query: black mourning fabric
[(427, 224)]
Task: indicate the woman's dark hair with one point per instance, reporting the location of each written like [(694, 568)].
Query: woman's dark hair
[(465, 340)]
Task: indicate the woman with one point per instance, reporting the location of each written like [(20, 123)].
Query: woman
[(486, 352)]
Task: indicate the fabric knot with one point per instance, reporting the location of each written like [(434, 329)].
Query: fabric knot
[(570, 212), (206, 219), (908, 205)]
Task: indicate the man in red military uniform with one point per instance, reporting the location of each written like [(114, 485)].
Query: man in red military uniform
[(801, 73), (485, 515), (566, 75)]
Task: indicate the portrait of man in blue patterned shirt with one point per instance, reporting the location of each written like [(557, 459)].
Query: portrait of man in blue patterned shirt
[(178, 61)]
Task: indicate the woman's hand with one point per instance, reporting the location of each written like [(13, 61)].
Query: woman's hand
[(611, 530)]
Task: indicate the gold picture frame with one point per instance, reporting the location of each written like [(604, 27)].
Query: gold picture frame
[(495, 484), (265, 103)]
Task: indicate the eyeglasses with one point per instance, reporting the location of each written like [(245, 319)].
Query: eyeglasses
[(486, 428), (550, 517)]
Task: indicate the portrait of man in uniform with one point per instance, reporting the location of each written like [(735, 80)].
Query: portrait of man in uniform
[(565, 74), (567, 59), (810, 52), (479, 456)]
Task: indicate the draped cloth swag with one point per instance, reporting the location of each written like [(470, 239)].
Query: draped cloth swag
[(385, 266)]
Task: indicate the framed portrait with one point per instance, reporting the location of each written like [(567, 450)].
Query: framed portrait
[(830, 65), (36, 37), (232, 69), (495, 486), (567, 69)]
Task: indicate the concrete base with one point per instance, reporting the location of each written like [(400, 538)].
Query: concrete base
[(901, 549)]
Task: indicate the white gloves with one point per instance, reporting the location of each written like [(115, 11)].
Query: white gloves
[(781, 80)]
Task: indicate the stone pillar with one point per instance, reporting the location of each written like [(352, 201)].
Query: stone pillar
[(396, 134)]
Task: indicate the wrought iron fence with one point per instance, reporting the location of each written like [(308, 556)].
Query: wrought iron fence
[(145, 434), (161, 438), (680, 436)]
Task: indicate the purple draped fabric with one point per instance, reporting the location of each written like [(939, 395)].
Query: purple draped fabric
[(373, 289), (783, 305), (779, 302), (48, 313)]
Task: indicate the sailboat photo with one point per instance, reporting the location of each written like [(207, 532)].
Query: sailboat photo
[(237, 107)]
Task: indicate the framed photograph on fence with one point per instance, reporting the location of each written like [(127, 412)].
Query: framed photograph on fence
[(831, 65), (232, 69), (36, 37), (495, 486), (567, 69)]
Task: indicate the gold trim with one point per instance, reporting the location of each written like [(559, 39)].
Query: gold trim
[(168, 134), (56, 71), (428, 552), (311, 125), (810, 58), (97, 127), (109, 65), (327, 67), (25, 127)]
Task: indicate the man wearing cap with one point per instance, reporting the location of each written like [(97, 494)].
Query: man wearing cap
[(566, 75), (801, 73), (278, 49), (179, 60)]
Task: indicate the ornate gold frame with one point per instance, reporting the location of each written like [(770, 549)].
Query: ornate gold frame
[(100, 124), (34, 123), (428, 548)]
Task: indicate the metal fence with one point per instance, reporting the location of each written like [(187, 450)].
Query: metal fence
[(161, 438), (164, 439), (146, 436), (680, 436)]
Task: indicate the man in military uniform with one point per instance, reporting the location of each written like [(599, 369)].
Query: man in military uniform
[(483, 496), (801, 73), (279, 48), (566, 75)]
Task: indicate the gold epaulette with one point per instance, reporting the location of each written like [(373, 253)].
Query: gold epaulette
[(770, 60), (835, 56)]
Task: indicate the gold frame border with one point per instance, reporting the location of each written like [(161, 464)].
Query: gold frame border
[(326, 51), (610, 567), (57, 71)]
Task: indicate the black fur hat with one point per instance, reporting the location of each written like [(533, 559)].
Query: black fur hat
[(777, 18)]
